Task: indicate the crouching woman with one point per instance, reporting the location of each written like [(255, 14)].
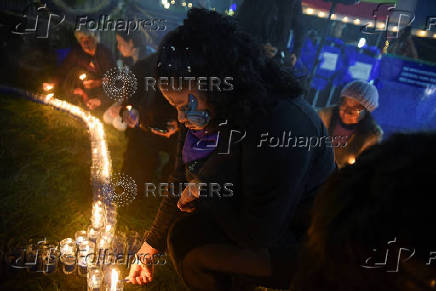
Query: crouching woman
[(250, 235)]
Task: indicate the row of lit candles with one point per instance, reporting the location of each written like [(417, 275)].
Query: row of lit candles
[(101, 232)]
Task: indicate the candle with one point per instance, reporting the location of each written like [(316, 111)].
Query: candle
[(68, 255), (49, 257), (85, 258), (82, 76), (48, 97), (112, 280), (80, 236), (93, 234), (47, 86), (98, 215), (95, 278), (105, 241), (109, 228)]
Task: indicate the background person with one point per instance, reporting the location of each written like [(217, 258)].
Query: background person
[(253, 233), (351, 122), (150, 121), (383, 198), (132, 47), (94, 60), (271, 22)]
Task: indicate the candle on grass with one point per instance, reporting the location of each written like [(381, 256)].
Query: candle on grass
[(80, 236), (68, 255), (98, 215), (95, 279), (113, 280), (85, 259), (49, 257)]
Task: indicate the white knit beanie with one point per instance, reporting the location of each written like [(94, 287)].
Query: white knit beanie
[(365, 93)]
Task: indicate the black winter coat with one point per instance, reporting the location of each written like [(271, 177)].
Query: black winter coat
[(270, 184)]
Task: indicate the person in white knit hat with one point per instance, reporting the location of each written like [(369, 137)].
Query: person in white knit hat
[(350, 123)]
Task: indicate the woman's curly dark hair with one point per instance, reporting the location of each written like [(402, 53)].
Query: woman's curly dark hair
[(387, 194), (213, 45)]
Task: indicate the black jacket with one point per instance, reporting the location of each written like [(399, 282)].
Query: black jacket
[(270, 184)]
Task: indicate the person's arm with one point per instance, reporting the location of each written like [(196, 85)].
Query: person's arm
[(168, 210)]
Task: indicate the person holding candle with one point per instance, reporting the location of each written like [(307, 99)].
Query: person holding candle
[(151, 121), (351, 124), (251, 236), (80, 75)]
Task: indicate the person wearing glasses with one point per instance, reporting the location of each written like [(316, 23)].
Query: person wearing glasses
[(350, 123)]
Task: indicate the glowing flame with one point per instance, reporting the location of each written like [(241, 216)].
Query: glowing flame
[(114, 280), (129, 107), (48, 97), (47, 86), (82, 76), (97, 218), (351, 160)]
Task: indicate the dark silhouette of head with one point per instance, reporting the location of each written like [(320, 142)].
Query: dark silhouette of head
[(387, 195)]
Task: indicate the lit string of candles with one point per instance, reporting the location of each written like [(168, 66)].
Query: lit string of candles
[(102, 229)]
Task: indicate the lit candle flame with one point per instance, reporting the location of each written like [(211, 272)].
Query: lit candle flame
[(82, 76), (47, 86), (351, 160), (114, 280), (48, 97), (129, 107)]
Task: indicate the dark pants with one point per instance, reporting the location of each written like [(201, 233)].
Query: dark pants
[(207, 260)]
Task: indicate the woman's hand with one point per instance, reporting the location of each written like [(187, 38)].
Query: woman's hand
[(90, 84), (191, 192), (131, 117), (172, 128), (141, 272), (93, 103), (79, 91)]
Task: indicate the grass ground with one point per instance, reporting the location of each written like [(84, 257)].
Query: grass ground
[(45, 191)]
